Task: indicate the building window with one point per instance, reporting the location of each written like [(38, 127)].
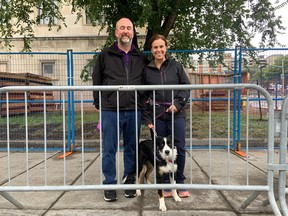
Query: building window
[(48, 68), (47, 20), (87, 19)]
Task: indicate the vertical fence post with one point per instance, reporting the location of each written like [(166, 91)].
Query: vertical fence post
[(70, 104), (234, 99), (72, 100), (239, 79)]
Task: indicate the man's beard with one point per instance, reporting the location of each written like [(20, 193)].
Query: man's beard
[(125, 40)]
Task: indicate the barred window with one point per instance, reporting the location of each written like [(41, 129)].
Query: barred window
[(48, 68)]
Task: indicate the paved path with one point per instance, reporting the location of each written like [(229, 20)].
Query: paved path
[(201, 202)]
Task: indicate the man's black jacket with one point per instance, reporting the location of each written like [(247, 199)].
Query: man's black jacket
[(110, 69)]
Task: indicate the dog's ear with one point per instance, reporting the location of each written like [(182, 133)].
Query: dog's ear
[(175, 138), (158, 142), (158, 139), (170, 137)]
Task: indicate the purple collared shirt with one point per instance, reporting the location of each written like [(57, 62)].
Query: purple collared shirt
[(126, 55)]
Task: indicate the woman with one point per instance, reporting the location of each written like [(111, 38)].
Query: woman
[(165, 71)]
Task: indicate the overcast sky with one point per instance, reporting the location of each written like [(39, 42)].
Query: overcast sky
[(283, 39)]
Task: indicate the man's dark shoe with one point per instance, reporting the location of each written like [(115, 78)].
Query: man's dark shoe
[(110, 195), (130, 179)]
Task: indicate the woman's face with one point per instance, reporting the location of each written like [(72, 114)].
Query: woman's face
[(158, 49)]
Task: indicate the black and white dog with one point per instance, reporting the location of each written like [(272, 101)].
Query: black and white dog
[(165, 164)]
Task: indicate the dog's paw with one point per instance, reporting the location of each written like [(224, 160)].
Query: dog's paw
[(162, 205), (162, 208), (176, 196), (177, 199), (138, 192)]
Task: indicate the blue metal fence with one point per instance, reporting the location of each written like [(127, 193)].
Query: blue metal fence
[(69, 65)]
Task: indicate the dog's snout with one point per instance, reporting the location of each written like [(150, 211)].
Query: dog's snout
[(167, 152)]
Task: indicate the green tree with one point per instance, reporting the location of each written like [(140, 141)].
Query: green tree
[(194, 24)]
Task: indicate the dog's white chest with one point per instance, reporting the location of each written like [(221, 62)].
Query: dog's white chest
[(170, 167)]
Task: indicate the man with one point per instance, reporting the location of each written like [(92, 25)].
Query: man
[(119, 64)]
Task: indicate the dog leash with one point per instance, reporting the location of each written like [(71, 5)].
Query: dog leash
[(166, 104), (154, 132)]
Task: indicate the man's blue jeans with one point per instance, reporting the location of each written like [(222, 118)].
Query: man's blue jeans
[(127, 127)]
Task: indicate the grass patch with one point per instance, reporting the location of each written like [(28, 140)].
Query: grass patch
[(199, 125)]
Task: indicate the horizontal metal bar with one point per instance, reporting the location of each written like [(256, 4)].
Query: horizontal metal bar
[(277, 167), (137, 186), (132, 87)]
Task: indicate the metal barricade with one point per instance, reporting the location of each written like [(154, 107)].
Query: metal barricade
[(94, 182)]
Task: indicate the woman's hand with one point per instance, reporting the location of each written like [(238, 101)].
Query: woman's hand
[(172, 107), (150, 126)]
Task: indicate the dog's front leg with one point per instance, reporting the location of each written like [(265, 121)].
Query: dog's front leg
[(174, 192), (162, 205), (175, 196)]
